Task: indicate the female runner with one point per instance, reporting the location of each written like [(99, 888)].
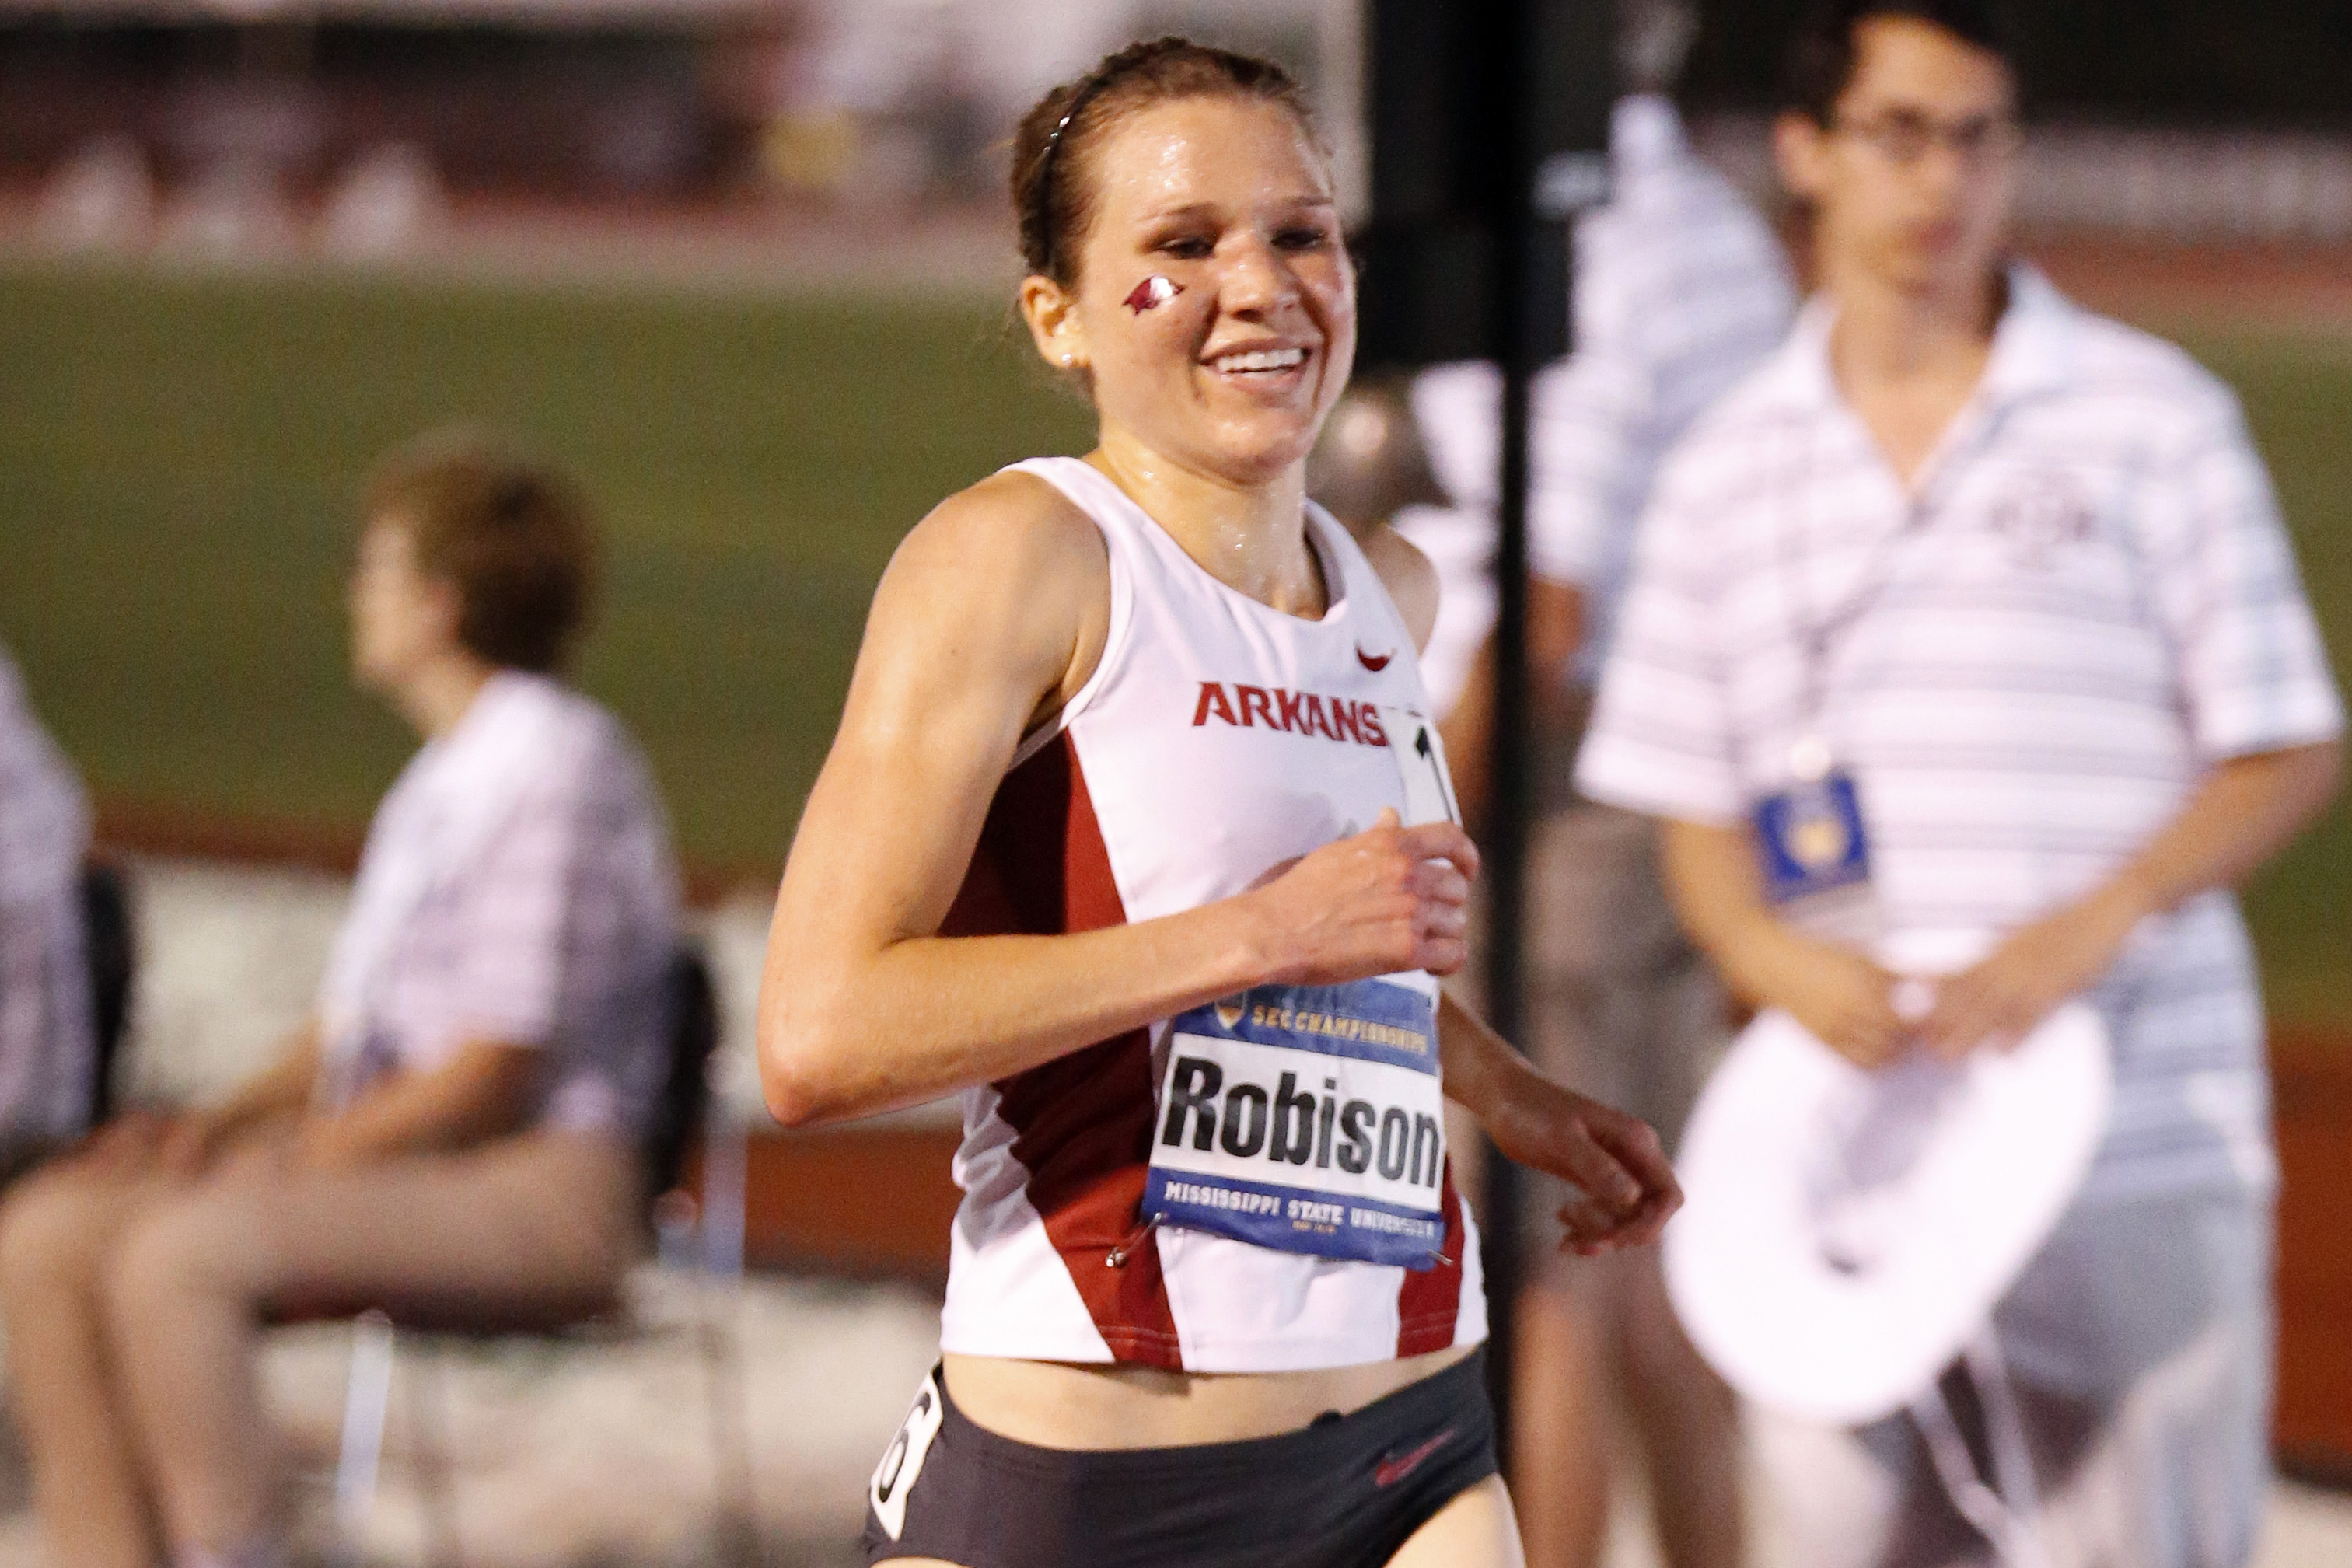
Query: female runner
[(1135, 834)]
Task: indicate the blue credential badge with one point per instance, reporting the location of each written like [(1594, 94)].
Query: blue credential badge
[(1307, 1119), (1810, 839)]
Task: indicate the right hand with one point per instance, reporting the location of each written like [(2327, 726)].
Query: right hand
[(190, 1143), (1844, 998), (173, 1144), (125, 1144), (1392, 898)]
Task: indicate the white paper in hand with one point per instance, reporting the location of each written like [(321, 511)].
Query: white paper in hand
[(1847, 1233)]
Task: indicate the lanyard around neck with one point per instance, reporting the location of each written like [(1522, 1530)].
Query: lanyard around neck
[(1817, 629)]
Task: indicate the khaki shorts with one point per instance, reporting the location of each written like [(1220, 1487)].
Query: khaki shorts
[(1621, 1006)]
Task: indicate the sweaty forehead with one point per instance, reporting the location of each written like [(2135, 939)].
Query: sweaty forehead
[(1216, 153), (1901, 62)]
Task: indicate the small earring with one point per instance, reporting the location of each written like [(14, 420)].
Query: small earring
[(1069, 360)]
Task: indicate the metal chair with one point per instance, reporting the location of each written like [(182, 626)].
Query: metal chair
[(682, 1115), (110, 948)]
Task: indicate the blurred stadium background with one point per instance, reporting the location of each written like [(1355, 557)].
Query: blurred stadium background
[(743, 264)]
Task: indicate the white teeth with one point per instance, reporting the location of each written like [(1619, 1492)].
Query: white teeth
[(1261, 359)]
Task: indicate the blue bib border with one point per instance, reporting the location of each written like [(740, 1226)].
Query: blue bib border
[(1369, 1019), (1292, 1219)]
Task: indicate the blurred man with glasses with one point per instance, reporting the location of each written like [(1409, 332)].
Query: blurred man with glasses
[(2013, 577)]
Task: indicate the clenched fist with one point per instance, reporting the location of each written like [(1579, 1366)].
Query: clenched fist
[(1390, 899)]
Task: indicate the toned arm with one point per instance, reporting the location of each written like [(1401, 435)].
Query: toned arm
[(1409, 576), (1617, 1162), (1614, 1159), (2248, 810), (991, 617)]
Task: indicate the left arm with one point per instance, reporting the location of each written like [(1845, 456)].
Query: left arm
[(2246, 811), (1615, 1161), (1409, 576), (481, 1093)]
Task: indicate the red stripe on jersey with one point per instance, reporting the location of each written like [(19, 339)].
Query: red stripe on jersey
[(1083, 1123), (1429, 1303)]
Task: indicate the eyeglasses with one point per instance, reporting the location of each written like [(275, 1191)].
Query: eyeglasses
[(1903, 137)]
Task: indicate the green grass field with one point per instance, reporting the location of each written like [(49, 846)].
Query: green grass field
[(178, 459)]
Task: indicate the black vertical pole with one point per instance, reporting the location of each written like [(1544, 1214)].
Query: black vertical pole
[(1488, 120), (1553, 80), (1511, 226)]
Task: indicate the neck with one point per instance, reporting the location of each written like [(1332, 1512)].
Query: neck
[(1887, 333), (1250, 537), (436, 695)]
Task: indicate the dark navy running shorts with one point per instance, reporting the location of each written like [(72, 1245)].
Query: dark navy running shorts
[(1347, 1491)]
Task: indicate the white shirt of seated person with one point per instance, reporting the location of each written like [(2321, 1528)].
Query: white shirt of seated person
[(516, 886)]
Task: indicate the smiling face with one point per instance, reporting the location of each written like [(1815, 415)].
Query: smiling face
[(1228, 200), (1913, 179)]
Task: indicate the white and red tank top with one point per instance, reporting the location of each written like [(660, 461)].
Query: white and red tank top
[(1259, 1186)]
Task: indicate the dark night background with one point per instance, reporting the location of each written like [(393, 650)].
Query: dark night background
[(2280, 63)]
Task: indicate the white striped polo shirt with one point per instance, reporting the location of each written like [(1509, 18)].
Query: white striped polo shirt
[(2084, 602), (1681, 291)]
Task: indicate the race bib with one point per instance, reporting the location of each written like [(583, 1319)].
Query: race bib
[(1307, 1119)]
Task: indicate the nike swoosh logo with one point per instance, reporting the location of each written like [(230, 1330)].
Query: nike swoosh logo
[(1391, 1471), (1375, 665)]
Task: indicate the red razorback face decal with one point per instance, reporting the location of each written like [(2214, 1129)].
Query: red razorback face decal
[(1152, 292)]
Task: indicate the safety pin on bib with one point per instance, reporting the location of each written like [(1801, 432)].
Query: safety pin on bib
[(1118, 1256)]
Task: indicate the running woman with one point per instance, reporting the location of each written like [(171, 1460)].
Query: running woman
[(1136, 834)]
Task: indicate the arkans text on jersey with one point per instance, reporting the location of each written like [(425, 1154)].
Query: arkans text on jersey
[(1298, 713)]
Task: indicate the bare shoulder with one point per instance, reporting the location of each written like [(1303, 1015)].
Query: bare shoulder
[(1010, 557), (1408, 575), (1006, 584), (1003, 533)]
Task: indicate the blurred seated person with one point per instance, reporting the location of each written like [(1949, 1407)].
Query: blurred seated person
[(452, 1134), (47, 1048)]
